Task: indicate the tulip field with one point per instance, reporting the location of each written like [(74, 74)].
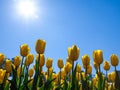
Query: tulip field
[(17, 74)]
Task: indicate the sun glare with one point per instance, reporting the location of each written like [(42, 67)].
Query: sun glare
[(27, 8)]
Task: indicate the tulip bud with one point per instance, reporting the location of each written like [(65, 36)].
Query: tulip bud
[(114, 60), (24, 50), (8, 66), (86, 60), (109, 76), (50, 70), (31, 72), (17, 61), (2, 75), (67, 67), (98, 56), (69, 60), (78, 69), (42, 59), (89, 69), (78, 77), (113, 76), (95, 81), (106, 65), (49, 62), (60, 63), (1, 58), (95, 65), (40, 46), (29, 59), (83, 74), (73, 52), (63, 74)]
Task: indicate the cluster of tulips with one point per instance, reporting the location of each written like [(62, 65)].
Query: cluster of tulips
[(17, 73)]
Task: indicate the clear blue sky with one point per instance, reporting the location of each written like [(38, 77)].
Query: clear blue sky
[(90, 24)]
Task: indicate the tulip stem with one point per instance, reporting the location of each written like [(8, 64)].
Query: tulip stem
[(48, 72), (60, 75), (21, 72), (100, 77), (107, 79), (73, 75), (86, 71), (36, 74), (115, 69)]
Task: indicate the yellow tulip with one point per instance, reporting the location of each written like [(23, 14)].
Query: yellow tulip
[(114, 60), (73, 52), (17, 61), (29, 59), (98, 56), (42, 59), (67, 67), (89, 69), (83, 74), (113, 76), (106, 65), (8, 66), (50, 70), (95, 81), (24, 50), (40, 46), (78, 69), (2, 57), (63, 74), (49, 62), (109, 76), (60, 63), (31, 72), (69, 60), (2, 75), (85, 60), (78, 77), (95, 65)]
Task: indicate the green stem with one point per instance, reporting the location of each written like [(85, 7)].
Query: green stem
[(86, 71), (36, 74), (106, 80), (60, 75), (73, 76), (100, 78), (21, 72), (48, 72)]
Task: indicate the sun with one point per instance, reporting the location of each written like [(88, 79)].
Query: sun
[(27, 8)]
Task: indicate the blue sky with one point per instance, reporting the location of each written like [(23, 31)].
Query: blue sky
[(90, 24)]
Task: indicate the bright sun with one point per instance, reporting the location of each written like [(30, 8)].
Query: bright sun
[(27, 8)]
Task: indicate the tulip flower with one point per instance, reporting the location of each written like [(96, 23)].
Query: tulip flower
[(40, 46), (2, 75), (85, 60), (17, 61), (31, 72), (29, 59), (8, 66), (106, 65), (60, 63), (2, 57), (98, 56), (114, 60), (24, 50), (73, 52)]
